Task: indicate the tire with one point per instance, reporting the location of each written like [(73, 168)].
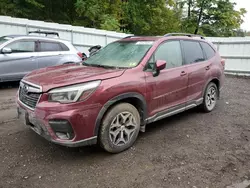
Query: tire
[(120, 128), (210, 97)]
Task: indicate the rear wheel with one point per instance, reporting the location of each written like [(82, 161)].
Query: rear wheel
[(120, 128), (210, 97)]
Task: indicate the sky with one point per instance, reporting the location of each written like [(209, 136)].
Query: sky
[(244, 4)]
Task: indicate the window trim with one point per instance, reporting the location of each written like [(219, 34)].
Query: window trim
[(192, 40), (153, 55), (23, 40), (47, 41)]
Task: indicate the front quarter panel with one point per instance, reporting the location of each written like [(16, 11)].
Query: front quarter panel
[(129, 85)]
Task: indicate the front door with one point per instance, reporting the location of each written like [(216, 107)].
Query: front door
[(18, 63), (168, 90)]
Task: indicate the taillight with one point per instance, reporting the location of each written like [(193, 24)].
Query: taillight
[(223, 63), (79, 54)]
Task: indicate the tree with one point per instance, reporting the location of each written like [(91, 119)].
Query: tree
[(19, 8), (213, 17), (151, 17), (147, 17)]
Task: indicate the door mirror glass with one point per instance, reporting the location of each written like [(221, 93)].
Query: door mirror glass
[(6, 51)]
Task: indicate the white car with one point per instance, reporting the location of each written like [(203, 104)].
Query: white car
[(21, 54)]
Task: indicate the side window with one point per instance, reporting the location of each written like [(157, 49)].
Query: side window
[(208, 50), (22, 46), (64, 47), (170, 52), (50, 46), (193, 52)]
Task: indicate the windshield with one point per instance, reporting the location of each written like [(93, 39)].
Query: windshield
[(121, 54), (4, 39)]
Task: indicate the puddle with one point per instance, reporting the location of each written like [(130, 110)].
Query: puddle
[(244, 184)]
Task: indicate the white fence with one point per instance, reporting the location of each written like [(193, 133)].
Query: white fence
[(81, 37), (235, 50)]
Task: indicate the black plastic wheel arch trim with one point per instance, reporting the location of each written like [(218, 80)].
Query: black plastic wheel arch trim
[(115, 100)]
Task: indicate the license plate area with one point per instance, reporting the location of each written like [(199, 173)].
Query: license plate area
[(29, 120), (22, 115)]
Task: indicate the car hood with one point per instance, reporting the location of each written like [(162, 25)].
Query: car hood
[(63, 75)]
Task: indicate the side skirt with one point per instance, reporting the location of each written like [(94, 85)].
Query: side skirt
[(174, 110)]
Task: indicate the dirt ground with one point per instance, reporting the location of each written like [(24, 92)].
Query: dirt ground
[(192, 149)]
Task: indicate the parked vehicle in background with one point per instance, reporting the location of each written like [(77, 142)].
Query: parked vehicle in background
[(21, 54), (94, 49), (118, 91), (84, 56)]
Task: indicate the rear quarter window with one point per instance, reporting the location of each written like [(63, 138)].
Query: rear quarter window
[(209, 51), (64, 47)]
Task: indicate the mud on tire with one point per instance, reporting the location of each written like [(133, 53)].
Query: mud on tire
[(119, 128)]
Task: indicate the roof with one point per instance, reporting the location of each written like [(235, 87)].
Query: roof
[(35, 36), (156, 38), (14, 36), (142, 38)]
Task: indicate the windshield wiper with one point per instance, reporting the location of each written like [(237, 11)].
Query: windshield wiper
[(98, 65), (103, 66), (86, 64)]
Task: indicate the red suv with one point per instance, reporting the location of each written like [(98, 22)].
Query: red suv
[(114, 94)]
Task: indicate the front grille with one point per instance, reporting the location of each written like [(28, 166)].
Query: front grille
[(29, 95)]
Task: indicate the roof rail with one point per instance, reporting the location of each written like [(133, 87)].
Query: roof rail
[(183, 34), (129, 36), (46, 33)]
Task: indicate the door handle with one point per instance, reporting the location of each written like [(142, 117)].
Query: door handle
[(208, 67), (183, 73)]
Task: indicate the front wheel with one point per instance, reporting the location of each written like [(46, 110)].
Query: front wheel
[(210, 97), (120, 128)]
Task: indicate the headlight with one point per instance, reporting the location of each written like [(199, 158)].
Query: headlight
[(73, 93)]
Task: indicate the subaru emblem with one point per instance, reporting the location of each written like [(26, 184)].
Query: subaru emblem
[(25, 89)]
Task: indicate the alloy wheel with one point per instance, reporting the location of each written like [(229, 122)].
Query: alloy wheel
[(122, 128), (211, 98)]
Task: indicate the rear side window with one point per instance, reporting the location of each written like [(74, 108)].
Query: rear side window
[(50, 47), (22, 46), (209, 51), (193, 52)]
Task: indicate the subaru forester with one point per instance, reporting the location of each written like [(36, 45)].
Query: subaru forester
[(112, 96)]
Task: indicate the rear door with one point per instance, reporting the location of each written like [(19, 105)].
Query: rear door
[(198, 70), (168, 90), (22, 60), (50, 53)]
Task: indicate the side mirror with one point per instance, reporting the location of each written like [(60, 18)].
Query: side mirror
[(159, 65), (6, 51)]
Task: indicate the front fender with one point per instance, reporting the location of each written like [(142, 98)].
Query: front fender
[(116, 99)]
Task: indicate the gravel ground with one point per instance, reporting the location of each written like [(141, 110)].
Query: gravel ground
[(192, 149)]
